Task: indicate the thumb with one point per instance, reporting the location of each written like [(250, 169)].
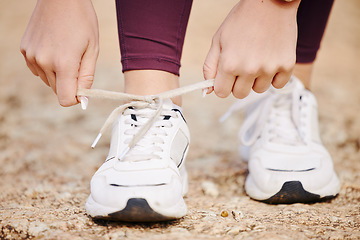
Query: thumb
[(211, 62)]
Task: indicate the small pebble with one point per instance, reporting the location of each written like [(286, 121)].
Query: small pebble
[(224, 213)]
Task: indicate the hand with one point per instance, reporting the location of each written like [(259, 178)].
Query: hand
[(61, 45), (254, 47)]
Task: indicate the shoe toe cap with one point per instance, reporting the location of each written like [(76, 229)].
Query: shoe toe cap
[(114, 189), (314, 172)]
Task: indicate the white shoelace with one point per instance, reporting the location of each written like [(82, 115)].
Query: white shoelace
[(150, 144), (280, 108), (138, 102)]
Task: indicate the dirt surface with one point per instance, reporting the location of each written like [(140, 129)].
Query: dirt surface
[(46, 161)]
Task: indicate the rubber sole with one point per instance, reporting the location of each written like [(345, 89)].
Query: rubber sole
[(293, 192), (136, 210)]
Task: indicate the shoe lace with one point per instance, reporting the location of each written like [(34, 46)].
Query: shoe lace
[(279, 108), (137, 103), (150, 144)]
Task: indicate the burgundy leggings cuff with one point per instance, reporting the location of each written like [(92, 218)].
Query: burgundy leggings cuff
[(306, 56), (162, 64)]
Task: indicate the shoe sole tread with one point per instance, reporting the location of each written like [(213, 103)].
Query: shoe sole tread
[(294, 192), (136, 210)]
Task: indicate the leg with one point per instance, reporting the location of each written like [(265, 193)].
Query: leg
[(144, 178), (312, 20), (151, 82), (151, 41), (303, 71), (287, 161)]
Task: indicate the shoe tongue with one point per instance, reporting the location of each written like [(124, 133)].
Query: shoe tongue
[(286, 131), (284, 95), (168, 104), (284, 101)]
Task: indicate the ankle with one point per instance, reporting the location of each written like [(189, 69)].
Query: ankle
[(303, 72), (150, 82)]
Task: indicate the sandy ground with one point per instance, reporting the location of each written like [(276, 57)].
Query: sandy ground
[(46, 161)]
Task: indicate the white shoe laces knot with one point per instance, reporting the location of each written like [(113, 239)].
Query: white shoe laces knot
[(137, 103)]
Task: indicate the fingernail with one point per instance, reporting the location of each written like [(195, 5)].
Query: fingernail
[(84, 101), (204, 92)]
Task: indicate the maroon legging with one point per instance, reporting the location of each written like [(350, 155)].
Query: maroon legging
[(152, 32)]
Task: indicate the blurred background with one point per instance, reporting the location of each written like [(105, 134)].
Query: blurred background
[(45, 158)]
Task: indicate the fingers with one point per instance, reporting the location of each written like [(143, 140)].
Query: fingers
[(242, 87), (281, 78), (211, 62), (225, 79), (55, 41), (61, 77), (80, 74), (235, 77), (64, 76), (51, 77), (254, 52), (67, 73), (33, 65), (240, 81), (44, 70), (263, 82)]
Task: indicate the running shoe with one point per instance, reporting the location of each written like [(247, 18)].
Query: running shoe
[(280, 139), (143, 178)]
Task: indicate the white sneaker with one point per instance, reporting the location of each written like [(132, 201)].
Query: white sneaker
[(280, 139), (146, 183)]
